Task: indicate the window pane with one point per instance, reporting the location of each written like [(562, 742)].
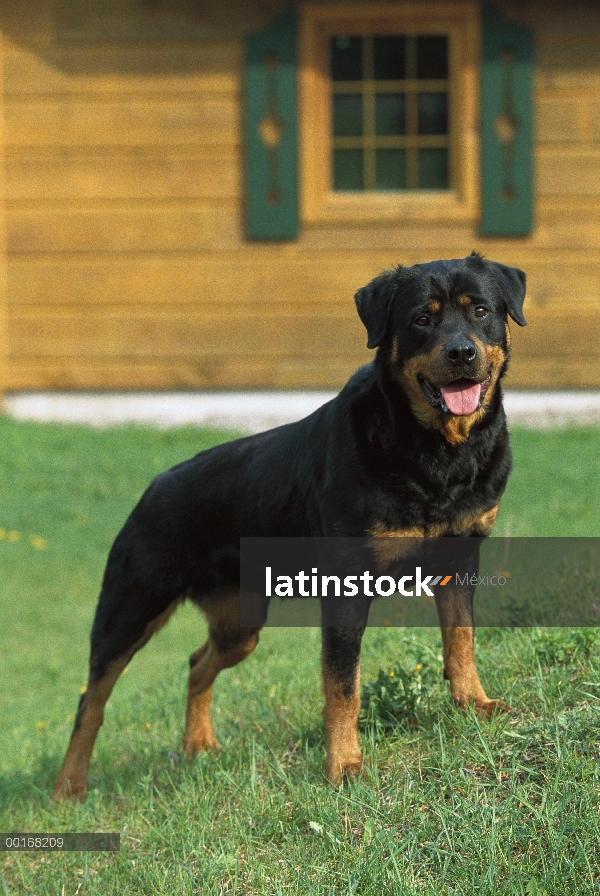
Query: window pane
[(390, 57), (433, 113), (348, 169), (346, 58), (390, 169), (347, 115), (389, 114), (432, 56), (433, 169)]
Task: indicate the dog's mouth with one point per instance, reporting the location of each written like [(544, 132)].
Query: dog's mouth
[(460, 397)]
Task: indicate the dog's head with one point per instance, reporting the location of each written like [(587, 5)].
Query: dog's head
[(443, 335)]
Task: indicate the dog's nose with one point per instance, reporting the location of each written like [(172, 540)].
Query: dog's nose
[(461, 352)]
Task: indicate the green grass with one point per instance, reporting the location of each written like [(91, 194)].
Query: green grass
[(451, 803)]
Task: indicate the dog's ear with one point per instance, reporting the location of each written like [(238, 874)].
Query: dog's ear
[(373, 303), (512, 284)]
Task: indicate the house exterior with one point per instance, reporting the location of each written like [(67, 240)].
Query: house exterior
[(193, 191)]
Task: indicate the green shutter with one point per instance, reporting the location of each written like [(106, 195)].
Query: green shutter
[(271, 131), (506, 126)]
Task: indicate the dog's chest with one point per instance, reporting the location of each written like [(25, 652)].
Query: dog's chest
[(469, 509), (471, 522)]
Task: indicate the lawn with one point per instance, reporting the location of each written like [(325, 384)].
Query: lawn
[(451, 803)]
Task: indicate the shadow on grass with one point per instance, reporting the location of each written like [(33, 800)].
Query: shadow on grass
[(32, 785), (120, 774)]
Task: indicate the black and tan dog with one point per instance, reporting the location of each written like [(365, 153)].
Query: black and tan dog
[(415, 445)]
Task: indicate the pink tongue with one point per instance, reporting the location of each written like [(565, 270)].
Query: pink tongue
[(462, 397)]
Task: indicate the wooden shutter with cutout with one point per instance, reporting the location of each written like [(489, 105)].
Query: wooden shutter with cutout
[(271, 164), (506, 126)]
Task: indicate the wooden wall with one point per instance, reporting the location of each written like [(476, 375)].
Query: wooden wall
[(126, 261), (3, 256)]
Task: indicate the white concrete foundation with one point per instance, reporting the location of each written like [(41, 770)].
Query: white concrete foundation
[(257, 411)]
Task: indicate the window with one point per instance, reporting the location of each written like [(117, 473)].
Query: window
[(388, 111)]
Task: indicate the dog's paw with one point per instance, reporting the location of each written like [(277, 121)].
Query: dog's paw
[(69, 789), (200, 744), (484, 706), (490, 707), (339, 769)]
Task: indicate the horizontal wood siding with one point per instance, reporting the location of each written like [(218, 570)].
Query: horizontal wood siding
[(3, 254), (101, 174), (127, 262)]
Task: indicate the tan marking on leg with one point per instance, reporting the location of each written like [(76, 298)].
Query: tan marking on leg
[(456, 623), (227, 645), (478, 523), (340, 716), (222, 610), (72, 779), (199, 734), (459, 665), (393, 544)]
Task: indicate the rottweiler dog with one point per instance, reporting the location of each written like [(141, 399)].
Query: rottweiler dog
[(415, 445)]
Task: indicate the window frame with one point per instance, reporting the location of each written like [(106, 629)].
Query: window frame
[(319, 202)]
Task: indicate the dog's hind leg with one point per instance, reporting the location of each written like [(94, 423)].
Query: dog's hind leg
[(72, 780), (341, 684), (125, 621), (228, 644)]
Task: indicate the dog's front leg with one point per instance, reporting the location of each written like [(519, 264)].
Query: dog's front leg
[(455, 609), (341, 684)]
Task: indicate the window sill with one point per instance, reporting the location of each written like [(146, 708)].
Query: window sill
[(393, 207)]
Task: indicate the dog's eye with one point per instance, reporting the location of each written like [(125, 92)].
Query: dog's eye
[(481, 311), (422, 321)]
